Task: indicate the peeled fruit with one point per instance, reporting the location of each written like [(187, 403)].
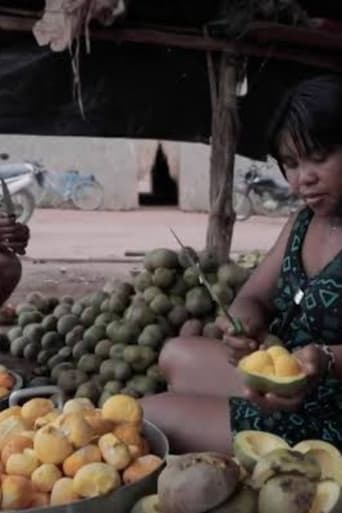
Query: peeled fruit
[(122, 408), (78, 405), (273, 370), (130, 434), (16, 492), (76, 429), (22, 464), (36, 408), (40, 500), (51, 445), (286, 493), (46, 419), (141, 468), (328, 498), (114, 451), (96, 479), (13, 411), (15, 445), (63, 492), (83, 456), (148, 504), (45, 476), (250, 446), (328, 457), (99, 425), (10, 426), (198, 482), (285, 461)]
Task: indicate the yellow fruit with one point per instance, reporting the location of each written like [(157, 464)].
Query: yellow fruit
[(96, 479), (77, 430), (16, 492), (35, 408), (22, 464), (45, 477), (4, 392), (51, 445), (77, 460), (114, 452), (40, 500), (10, 426), (15, 445), (286, 366), (276, 351), (63, 492), (122, 408), (99, 425), (268, 370), (77, 405), (257, 361), (13, 411), (46, 419), (141, 467)]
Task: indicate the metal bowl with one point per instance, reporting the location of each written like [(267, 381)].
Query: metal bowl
[(19, 382), (122, 499)]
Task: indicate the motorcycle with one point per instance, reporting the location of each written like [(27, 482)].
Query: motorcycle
[(261, 195), (19, 178)]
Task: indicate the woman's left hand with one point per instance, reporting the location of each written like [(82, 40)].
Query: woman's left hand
[(314, 363)]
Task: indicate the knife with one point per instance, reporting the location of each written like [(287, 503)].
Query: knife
[(9, 205), (236, 323)]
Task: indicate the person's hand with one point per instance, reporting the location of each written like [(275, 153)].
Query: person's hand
[(14, 236), (239, 346), (314, 363)]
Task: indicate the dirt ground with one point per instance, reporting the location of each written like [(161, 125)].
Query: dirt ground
[(73, 252)]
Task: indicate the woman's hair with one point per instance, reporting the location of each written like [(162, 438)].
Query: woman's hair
[(309, 117)]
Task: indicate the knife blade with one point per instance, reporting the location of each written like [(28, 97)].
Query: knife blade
[(236, 323), (9, 205)]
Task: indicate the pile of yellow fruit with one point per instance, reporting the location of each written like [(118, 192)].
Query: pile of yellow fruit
[(52, 457)]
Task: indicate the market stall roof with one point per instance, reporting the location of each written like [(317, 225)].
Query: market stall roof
[(146, 74)]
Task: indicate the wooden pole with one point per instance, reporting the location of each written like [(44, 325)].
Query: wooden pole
[(225, 129)]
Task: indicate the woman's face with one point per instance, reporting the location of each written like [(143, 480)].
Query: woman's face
[(316, 179)]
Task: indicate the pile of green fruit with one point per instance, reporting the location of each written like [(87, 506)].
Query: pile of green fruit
[(109, 341), (265, 475)]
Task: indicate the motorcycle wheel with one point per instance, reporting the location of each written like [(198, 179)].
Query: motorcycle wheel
[(24, 204), (242, 205)]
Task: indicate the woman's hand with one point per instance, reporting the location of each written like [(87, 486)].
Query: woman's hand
[(314, 363), (14, 236), (239, 346)]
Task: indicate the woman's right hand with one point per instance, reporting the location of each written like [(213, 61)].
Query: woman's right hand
[(240, 346)]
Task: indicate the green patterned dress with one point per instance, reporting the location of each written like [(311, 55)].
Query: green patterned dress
[(318, 320)]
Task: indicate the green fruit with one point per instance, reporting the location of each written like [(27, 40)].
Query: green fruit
[(208, 261), (164, 278), (26, 318), (39, 381), (122, 370), (103, 398), (161, 304), (51, 340), (211, 330), (25, 308), (191, 328), (223, 292), (143, 385), (77, 308), (49, 323), (140, 314), (179, 287), (123, 287), (38, 300), (160, 258), (232, 274), (176, 300), (89, 363), (93, 335), (14, 333), (74, 336), (113, 387), (151, 293), (103, 319), (250, 446), (284, 461), (60, 367), (326, 454), (44, 355), (152, 335), (67, 299), (96, 299), (88, 316), (128, 391), (116, 351), (52, 302), (143, 280), (33, 332), (139, 357), (191, 277), (88, 390), (105, 306), (198, 301), (31, 351), (155, 373), (55, 360), (18, 346), (61, 310), (79, 349), (148, 504), (183, 258), (122, 332), (107, 370), (103, 348), (66, 323), (285, 494), (178, 315), (211, 278), (117, 303), (165, 326), (70, 380), (65, 352), (244, 500)]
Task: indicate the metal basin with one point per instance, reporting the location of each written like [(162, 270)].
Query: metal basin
[(19, 382), (123, 499)]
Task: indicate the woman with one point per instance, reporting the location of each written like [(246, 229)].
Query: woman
[(207, 401), (13, 241)]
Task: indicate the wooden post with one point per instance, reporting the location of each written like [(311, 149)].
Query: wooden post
[(223, 148)]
